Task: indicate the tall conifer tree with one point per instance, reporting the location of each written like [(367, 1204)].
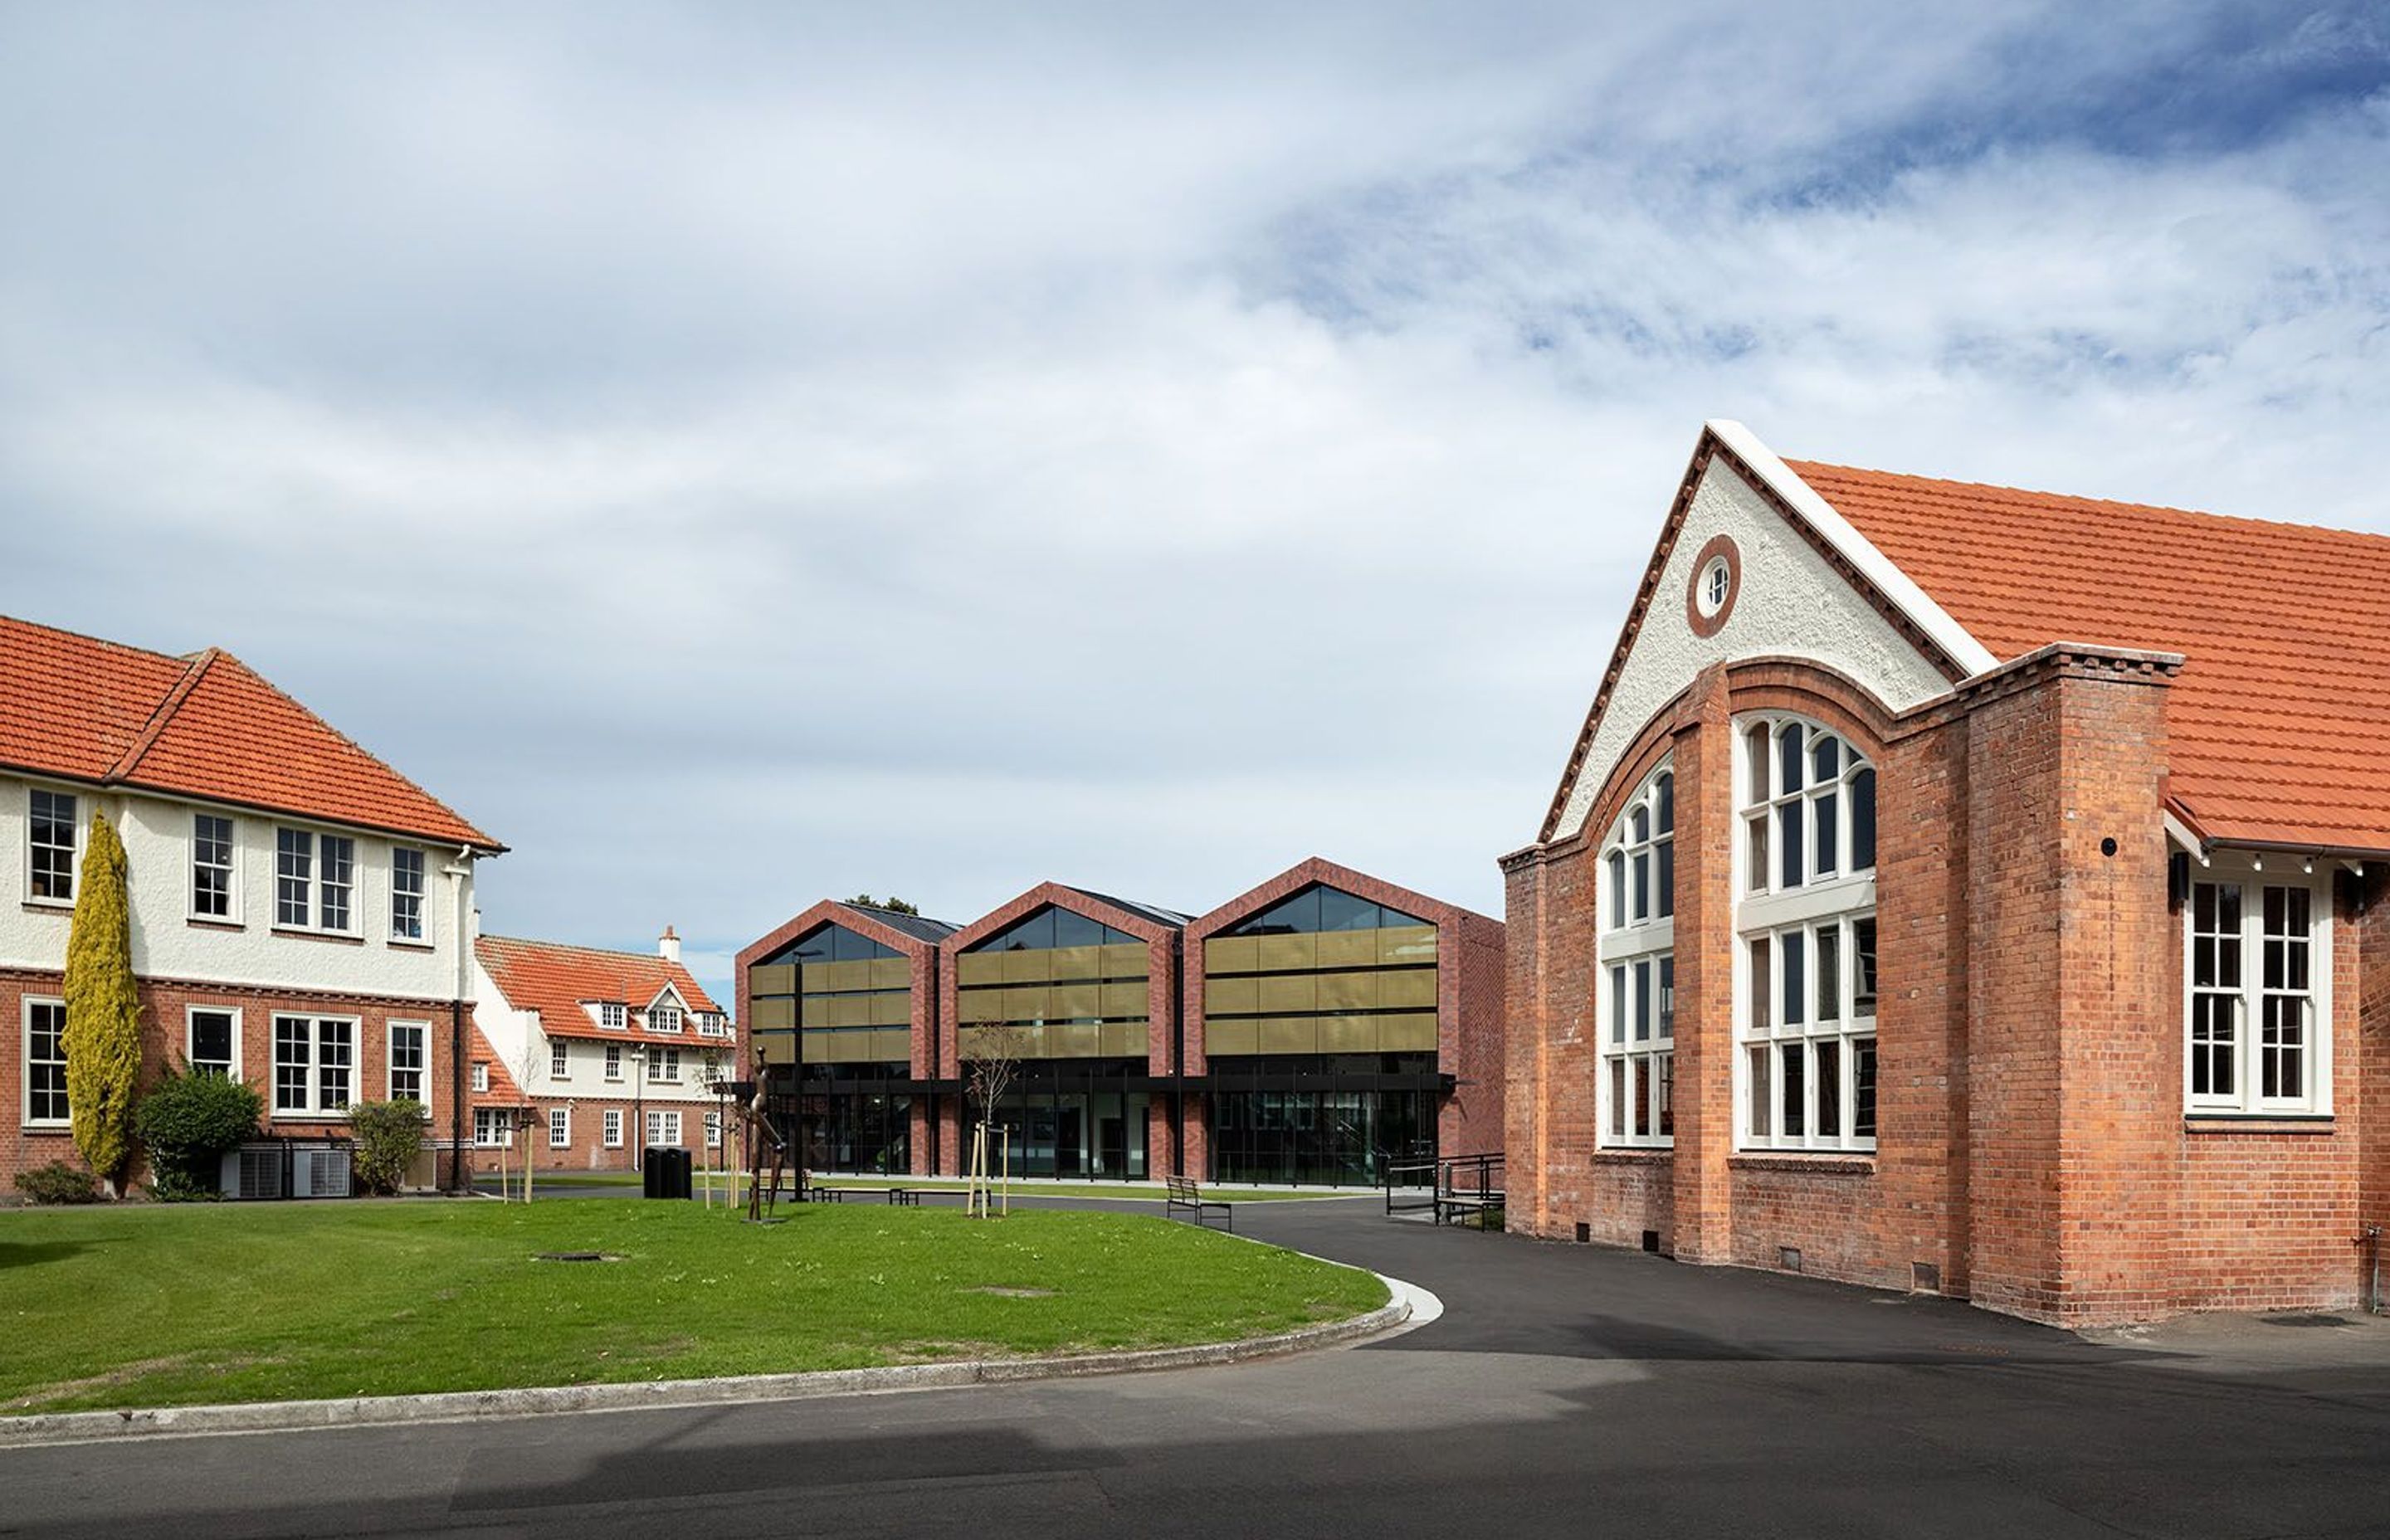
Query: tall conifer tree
[(103, 1035)]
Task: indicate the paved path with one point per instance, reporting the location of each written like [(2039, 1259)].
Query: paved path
[(1566, 1391)]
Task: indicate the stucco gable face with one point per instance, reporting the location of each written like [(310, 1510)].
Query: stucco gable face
[(1789, 602)]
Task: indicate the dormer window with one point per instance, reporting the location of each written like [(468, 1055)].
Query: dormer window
[(663, 1017), (613, 1015)]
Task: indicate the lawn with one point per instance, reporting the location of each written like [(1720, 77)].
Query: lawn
[(163, 1305), (1149, 1192)]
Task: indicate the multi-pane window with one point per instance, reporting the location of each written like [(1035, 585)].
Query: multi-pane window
[(493, 1127), (713, 1131), (481, 1079), (405, 893), (1809, 807), (314, 880), (50, 867), (211, 867), (663, 1128), (663, 1064), (662, 1018), (559, 1065), (408, 1046), (613, 1128), (1806, 930), (46, 1062), (1637, 1029), (614, 1062), (2253, 1035), (613, 1016), (208, 1041), (315, 1063), (559, 1128)]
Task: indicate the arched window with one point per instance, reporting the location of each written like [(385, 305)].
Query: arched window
[(1638, 1007), (1805, 925)]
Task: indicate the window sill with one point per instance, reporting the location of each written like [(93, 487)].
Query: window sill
[(337, 938), (403, 943), (211, 922), (2257, 1123), (341, 1116), (46, 1130), (1635, 1155), (49, 905), (1822, 1162)]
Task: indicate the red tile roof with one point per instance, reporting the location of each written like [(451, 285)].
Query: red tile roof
[(2278, 718), (205, 726), (502, 1091), (554, 979)]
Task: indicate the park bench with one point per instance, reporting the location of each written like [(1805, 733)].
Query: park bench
[(1185, 1194), (903, 1197)]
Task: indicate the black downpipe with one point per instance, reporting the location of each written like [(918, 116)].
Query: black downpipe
[(457, 1180)]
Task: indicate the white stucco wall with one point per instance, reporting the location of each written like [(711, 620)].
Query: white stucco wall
[(1791, 602), (167, 944), (520, 1042)]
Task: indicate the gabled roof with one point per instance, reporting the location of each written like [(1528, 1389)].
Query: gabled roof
[(920, 927), (1319, 869), (555, 979), (2278, 719), (204, 726), (502, 1091), (1153, 912)]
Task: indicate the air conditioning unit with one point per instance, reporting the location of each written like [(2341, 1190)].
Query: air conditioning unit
[(252, 1172), (320, 1174)]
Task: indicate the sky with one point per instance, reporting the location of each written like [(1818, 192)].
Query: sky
[(744, 455)]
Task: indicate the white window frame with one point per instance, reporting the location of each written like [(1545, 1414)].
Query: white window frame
[(190, 1033), (665, 1018), (420, 932), (316, 1105), (1836, 904), (1634, 986), (559, 1059), (78, 821), (611, 1015), (611, 1131), (559, 1128), (314, 886), (389, 1062), (614, 1062), (493, 1128), (482, 1077), (2254, 875), (713, 1129), (25, 1046), (663, 1128), (230, 868), (659, 1061)]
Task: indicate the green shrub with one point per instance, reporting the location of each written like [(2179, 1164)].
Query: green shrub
[(388, 1135), (189, 1119), (103, 1035), (59, 1183)]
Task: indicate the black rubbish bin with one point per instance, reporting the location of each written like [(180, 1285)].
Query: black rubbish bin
[(670, 1173)]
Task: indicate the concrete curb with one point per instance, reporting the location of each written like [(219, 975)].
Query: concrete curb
[(374, 1411)]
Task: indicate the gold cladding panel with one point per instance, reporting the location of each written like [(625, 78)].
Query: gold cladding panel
[(1076, 1000), (1283, 954), (1231, 1037), (830, 978), (891, 1048), (1079, 1042), (779, 1048), (1407, 944), (980, 968), (891, 1008), (763, 1015), (980, 1005), (1348, 949), (850, 1011), (830, 1047), (1412, 1032), (892, 973), (1298, 1035), (1411, 987), (1124, 959), (772, 979), (1296, 992), (816, 1010), (1124, 999), (1027, 968), (1122, 1039), (1232, 954), (1348, 991), (1077, 962), (971, 1042), (1234, 995), (1029, 1003), (1348, 1035)]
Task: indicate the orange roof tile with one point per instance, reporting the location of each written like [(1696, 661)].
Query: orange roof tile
[(554, 979), (2277, 718), (502, 1091), (205, 726)]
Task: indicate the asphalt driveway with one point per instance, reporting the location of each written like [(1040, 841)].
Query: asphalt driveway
[(1566, 1390)]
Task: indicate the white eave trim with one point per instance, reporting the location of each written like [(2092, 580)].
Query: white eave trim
[(1856, 548)]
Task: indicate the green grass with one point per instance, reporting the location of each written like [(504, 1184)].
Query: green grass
[(157, 1306), (1150, 1190)]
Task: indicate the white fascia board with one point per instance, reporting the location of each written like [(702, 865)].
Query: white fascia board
[(1860, 552)]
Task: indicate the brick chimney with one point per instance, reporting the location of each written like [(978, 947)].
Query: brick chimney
[(668, 945)]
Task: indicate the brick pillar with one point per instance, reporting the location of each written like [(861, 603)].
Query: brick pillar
[(1527, 1201), (2075, 1102), (953, 1155), (1161, 1138), (1704, 1074), (1195, 1157), (918, 1137)]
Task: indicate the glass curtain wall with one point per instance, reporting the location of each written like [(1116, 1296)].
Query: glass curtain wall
[(1336, 1121), (852, 999)]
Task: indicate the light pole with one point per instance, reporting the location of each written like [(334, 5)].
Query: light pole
[(639, 1106)]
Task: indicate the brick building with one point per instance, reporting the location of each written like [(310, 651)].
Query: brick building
[(1307, 1030), (603, 1054), (1969, 889), (297, 907)]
